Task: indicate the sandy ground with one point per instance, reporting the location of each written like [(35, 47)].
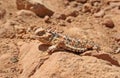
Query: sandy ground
[(24, 57)]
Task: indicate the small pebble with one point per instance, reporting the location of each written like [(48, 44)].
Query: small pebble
[(69, 19), (108, 23), (14, 59), (47, 19), (99, 14), (87, 7)]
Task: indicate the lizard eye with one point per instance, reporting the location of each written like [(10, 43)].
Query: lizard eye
[(39, 32)]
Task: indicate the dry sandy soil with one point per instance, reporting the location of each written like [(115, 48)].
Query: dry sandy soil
[(24, 57)]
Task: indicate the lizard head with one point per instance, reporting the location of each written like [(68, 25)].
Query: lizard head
[(43, 35)]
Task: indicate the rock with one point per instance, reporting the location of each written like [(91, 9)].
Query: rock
[(108, 23), (55, 5), (2, 12), (66, 65), (37, 6), (36, 58), (101, 13), (61, 64), (87, 7)]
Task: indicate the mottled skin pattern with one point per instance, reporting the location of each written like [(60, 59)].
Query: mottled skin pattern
[(58, 41)]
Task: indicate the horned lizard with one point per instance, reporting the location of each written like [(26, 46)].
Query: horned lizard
[(59, 41)]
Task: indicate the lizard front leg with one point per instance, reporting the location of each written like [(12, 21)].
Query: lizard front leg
[(52, 48), (57, 46)]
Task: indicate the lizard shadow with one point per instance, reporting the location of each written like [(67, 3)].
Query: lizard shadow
[(76, 53), (43, 47)]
